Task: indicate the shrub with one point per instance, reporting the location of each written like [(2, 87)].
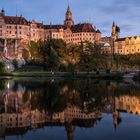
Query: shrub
[(15, 63), (3, 68)]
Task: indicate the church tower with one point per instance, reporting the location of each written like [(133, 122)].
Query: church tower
[(68, 18)]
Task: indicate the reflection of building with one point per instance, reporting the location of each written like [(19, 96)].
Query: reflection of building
[(130, 104), (35, 118), (17, 115), (16, 32)]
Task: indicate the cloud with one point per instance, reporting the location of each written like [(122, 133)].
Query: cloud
[(101, 13)]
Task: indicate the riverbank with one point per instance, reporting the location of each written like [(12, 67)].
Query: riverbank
[(41, 74)]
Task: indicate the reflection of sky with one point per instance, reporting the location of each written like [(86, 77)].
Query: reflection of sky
[(100, 13)]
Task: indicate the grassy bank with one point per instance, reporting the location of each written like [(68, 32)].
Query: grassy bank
[(37, 74)]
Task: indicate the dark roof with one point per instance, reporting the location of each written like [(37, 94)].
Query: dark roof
[(15, 20), (54, 27), (98, 31), (123, 39), (85, 27), (120, 39), (40, 25), (117, 28), (113, 25), (106, 39)]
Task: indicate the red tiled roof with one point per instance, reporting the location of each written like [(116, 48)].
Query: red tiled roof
[(15, 20)]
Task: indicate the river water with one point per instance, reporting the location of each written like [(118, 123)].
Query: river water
[(76, 109)]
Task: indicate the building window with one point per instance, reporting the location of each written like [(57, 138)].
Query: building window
[(120, 46)]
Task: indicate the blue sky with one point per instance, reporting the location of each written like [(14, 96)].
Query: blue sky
[(101, 13)]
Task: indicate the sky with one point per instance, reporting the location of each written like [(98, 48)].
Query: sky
[(101, 13)]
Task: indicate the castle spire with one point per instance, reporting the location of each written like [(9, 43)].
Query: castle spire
[(113, 34), (113, 25), (68, 18)]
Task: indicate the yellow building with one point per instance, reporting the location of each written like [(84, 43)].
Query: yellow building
[(122, 46), (128, 45)]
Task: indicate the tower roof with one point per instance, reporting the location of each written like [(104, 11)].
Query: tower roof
[(113, 25), (2, 12), (117, 28), (68, 9)]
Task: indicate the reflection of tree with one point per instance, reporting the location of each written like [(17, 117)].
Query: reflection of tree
[(54, 97), (88, 95), (3, 84)]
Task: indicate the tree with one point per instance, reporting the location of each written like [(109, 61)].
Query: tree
[(3, 67)]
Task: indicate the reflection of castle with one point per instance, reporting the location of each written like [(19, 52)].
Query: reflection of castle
[(35, 118), (130, 104), (17, 115)]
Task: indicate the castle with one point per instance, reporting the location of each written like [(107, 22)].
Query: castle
[(16, 32), (123, 46)]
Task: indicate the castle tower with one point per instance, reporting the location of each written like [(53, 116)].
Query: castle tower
[(113, 34), (117, 32), (115, 118), (68, 18), (70, 131)]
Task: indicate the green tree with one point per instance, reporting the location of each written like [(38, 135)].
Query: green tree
[(3, 67)]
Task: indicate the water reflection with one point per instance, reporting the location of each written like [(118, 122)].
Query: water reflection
[(29, 105)]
